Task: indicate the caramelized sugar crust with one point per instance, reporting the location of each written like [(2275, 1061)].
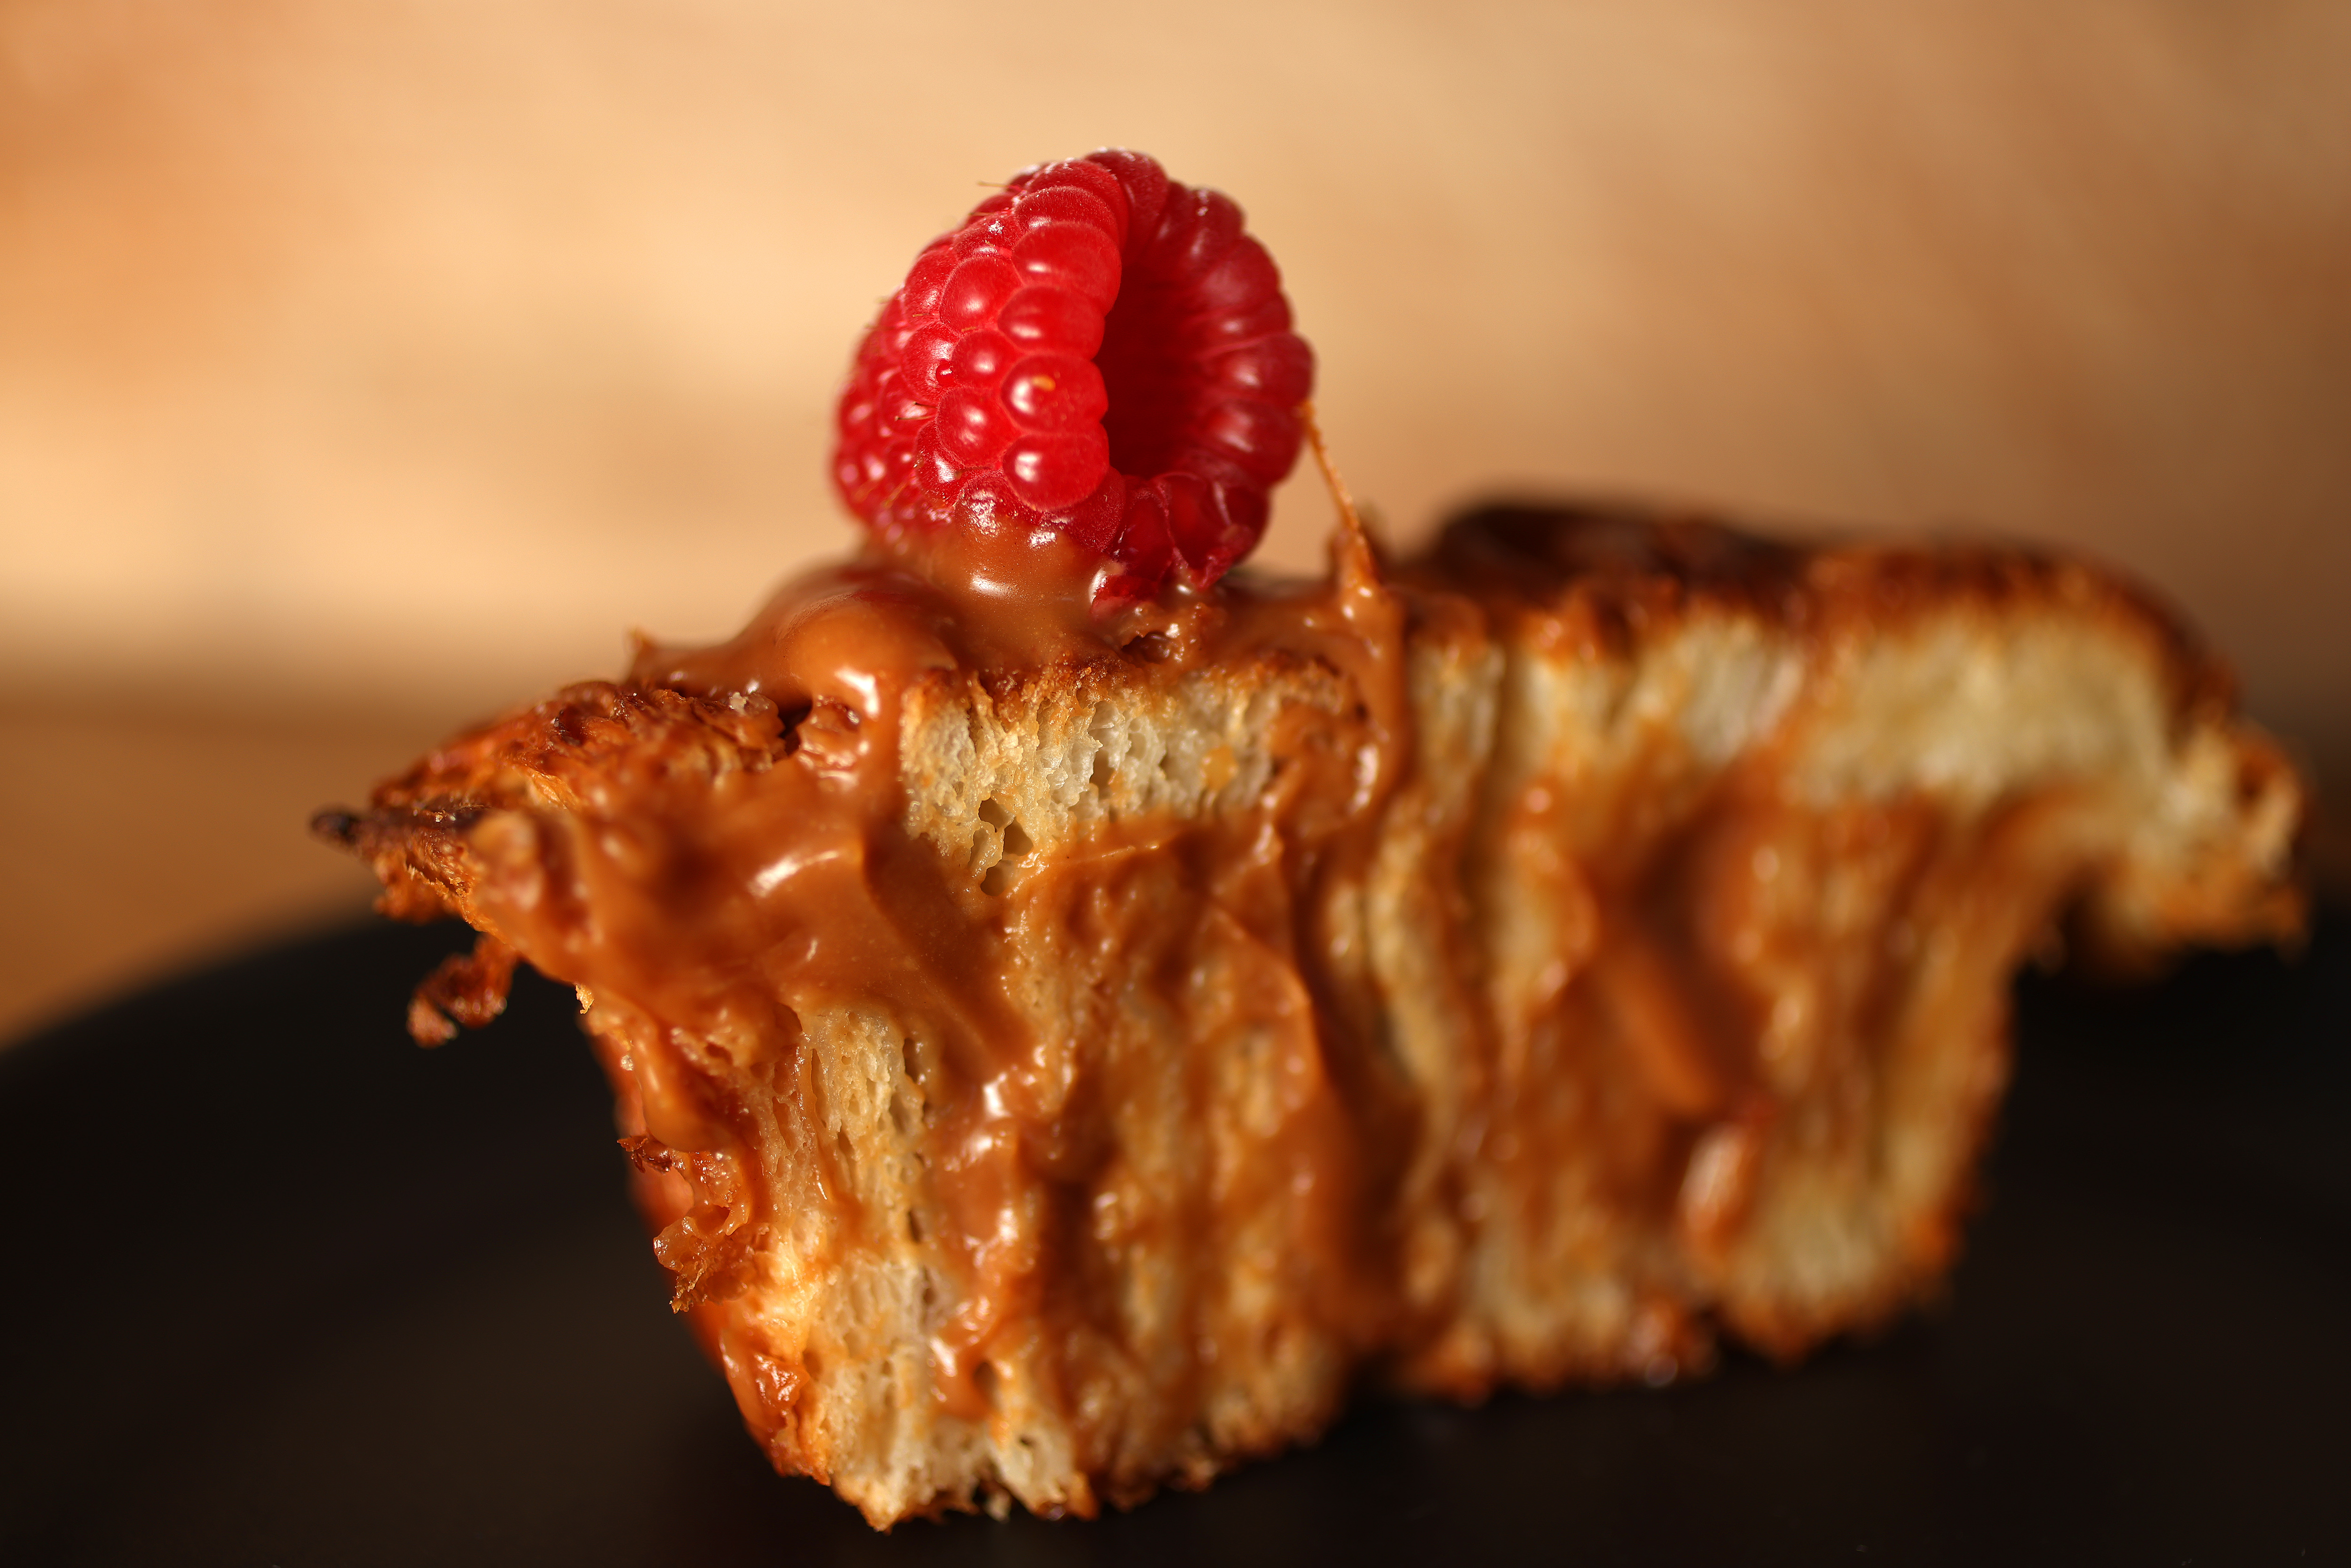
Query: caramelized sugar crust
[(1052, 1076)]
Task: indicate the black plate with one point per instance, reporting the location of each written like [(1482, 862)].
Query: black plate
[(284, 1288)]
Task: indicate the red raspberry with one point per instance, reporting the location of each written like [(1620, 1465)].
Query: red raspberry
[(1097, 349)]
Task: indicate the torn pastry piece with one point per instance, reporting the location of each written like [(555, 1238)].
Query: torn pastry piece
[(1058, 1056)]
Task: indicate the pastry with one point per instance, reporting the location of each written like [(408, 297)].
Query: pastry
[(1074, 1011)]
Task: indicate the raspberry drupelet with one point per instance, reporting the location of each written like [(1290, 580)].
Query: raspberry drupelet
[(1097, 349)]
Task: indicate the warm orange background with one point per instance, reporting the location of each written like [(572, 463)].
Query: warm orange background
[(365, 364)]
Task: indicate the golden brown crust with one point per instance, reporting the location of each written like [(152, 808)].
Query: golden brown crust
[(554, 755), (1608, 576)]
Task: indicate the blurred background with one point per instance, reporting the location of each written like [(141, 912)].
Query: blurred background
[(368, 365)]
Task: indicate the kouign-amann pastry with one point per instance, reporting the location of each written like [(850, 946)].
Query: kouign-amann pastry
[(1073, 1012)]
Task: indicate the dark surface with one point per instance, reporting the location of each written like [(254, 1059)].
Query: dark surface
[(284, 1288)]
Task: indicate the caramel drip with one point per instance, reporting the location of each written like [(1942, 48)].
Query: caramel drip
[(728, 905)]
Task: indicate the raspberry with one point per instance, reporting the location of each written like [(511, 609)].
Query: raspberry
[(1097, 349)]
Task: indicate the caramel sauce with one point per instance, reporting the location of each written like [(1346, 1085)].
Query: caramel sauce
[(705, 916)]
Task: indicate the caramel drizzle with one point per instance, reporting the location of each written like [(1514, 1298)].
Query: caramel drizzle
[(708, 909)]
